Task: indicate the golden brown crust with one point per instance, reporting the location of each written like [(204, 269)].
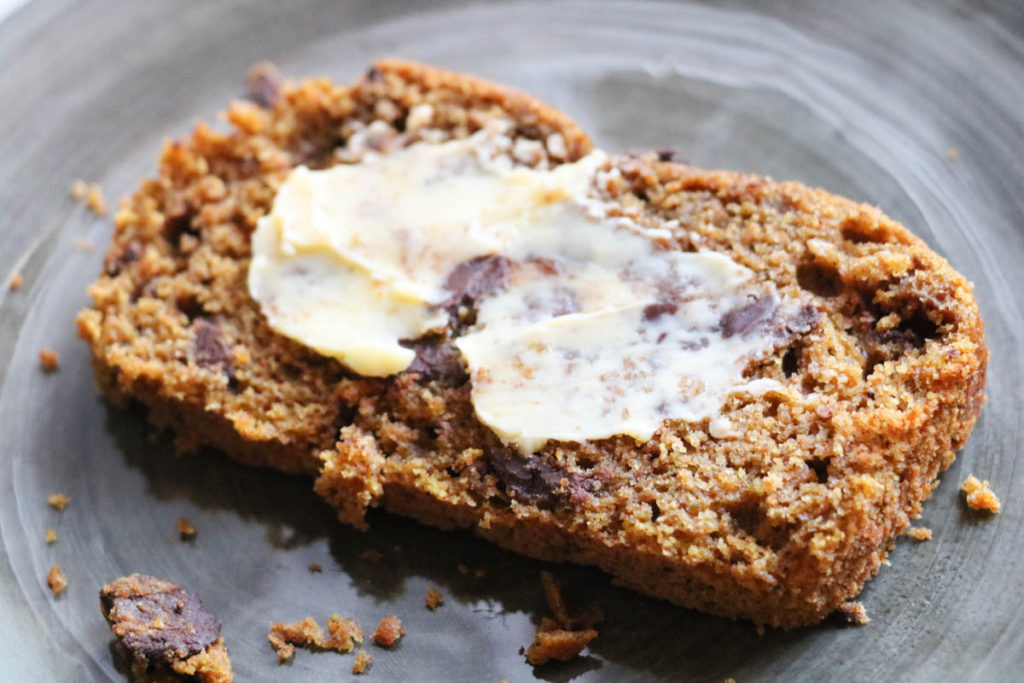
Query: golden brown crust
[(779, 525)]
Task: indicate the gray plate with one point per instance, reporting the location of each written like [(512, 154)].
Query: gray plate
[(864, 99)]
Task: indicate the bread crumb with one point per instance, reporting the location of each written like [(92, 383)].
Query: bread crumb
[(49, 361), (186, 529), (91, 195), (285, 651), (315, 568), (563, 616), (51, 536), (371, 556), (16, 282), (59, 501), (853, 612), (164, 631), (953, 153), (362, 661), (284, 637), (919, 533), (463, 569), (564, 636), (344, 634), (83, 245), (57, 580), (480, 573), (389, 631), (980, 496), (434, 599), (557, 644), (79, 189)]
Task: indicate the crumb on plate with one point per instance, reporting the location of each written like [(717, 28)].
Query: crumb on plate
[(389, 631), (57, 580), (51, 536), (48, 360), (315, 568), (980, 496), (919, 533), (16, 282), (284, 637), (557, 644), (341, 636), (853, 612), (186, 529), (362, 661), (165, 631), (344, 634), (91, 195), (434, 599), (566, 634), (58, 501)]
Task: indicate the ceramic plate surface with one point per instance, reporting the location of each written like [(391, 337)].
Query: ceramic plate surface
[(912, 106)]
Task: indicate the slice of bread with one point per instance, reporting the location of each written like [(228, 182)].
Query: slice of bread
[(778, 522)]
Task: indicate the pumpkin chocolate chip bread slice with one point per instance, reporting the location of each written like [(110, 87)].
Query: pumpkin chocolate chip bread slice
[(726, 392), (173, 325)]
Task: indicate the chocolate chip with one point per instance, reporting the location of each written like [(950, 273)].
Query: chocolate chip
[(156, 619), (130, 254), (208, 349), (472, 279), (178, 222), (437, 361), (655, 311), (669, 155), (264, 84), (744, 319), (533, 480)]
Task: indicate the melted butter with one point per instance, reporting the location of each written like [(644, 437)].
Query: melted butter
[(599, 330), (353, 259)]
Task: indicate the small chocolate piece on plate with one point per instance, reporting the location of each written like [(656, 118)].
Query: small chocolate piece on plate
[(164, 629)]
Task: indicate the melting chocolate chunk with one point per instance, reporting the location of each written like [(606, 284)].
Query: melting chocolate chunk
[(744, 319), (154, 618), (130, 254), (472, 279), (208, 349), (533, 480), (437, 361), (655, 311)]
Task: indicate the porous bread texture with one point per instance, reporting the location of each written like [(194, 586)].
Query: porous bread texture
[(779, 524)]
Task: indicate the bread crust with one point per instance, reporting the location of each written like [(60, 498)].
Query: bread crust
[(779, 525)]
